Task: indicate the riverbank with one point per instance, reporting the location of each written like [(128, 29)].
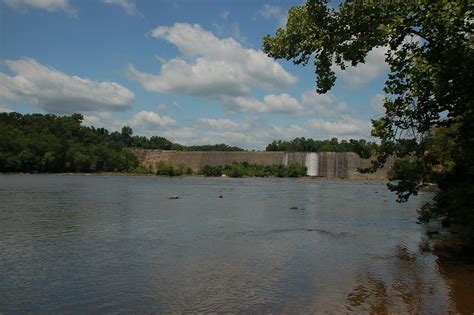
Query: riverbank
[(309, 178)]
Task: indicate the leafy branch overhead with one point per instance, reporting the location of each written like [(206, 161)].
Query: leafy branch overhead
[(429, 111)]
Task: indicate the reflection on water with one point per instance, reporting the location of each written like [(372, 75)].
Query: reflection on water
[(118, 244), (460, 278), (402, 283)]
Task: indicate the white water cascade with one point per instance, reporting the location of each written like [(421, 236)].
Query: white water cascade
[(312, 164)]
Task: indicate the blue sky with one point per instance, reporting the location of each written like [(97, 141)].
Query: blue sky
[(191, 71)]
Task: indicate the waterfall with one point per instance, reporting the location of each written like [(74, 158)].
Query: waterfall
[(312, 164), (285, 159)]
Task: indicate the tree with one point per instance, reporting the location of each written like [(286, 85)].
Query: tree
[(429, 87)]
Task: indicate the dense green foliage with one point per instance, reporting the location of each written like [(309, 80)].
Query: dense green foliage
[(213, 147), (166, 169), (160, 143), (127, 138), (429, 104), (49, 143), (244, 169), (362, 147)]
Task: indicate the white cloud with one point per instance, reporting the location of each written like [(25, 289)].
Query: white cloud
[(326, 105), (230, 30), (145, 120), (127, 6), (176, 106), (272, 103), (103, 120), (5, 109), (159, 58), (251, 134), (219, 124), (282, 103), (377, 104), (243, 104), (345, 128), (224, 15), (211, 67), (92, 120), (363, 73), (57, 92), (269, 11), (47, 5), (161, 107)]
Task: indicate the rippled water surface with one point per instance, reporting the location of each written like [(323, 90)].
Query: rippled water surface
[(119, 245)]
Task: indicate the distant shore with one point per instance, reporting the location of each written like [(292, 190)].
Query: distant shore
[(194, 175)]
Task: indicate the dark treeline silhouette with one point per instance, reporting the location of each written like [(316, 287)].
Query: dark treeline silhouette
[(362, 147), (50, 143), (53, 144)]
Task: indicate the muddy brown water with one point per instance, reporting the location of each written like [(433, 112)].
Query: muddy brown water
[(113, 244)]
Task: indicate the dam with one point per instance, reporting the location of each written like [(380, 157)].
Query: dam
[(319, 164)]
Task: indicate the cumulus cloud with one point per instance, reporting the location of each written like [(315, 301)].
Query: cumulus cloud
[(103, 120), (230, 29), (347, 127), (250, 134), (272, 103), (161, 107), (146, 120), (212, 68), (326, 105), (219, 124), (92, 120), (127, 6), (57, 92), (47, 5), (363, 73)]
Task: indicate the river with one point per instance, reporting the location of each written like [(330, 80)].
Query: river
[(118, 244)]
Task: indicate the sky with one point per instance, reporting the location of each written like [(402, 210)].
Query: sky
[(191, 71)]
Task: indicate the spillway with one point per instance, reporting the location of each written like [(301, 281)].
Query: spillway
[(312, 164), (321, 164)]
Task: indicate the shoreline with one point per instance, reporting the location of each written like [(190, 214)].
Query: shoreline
[(120, 174)]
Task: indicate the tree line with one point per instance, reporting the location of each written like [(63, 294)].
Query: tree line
[(53, 144), (362, 147)]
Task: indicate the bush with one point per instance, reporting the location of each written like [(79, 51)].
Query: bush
[(241, 169), (142, 170), (165, 169), (184, 170), (211, 171), (296, 170)]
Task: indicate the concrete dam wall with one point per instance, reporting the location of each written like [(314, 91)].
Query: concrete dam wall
[(322, 164)]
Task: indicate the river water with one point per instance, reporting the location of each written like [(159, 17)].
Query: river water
[(116, 244)]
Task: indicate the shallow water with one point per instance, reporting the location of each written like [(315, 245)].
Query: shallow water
[(119, 245)]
